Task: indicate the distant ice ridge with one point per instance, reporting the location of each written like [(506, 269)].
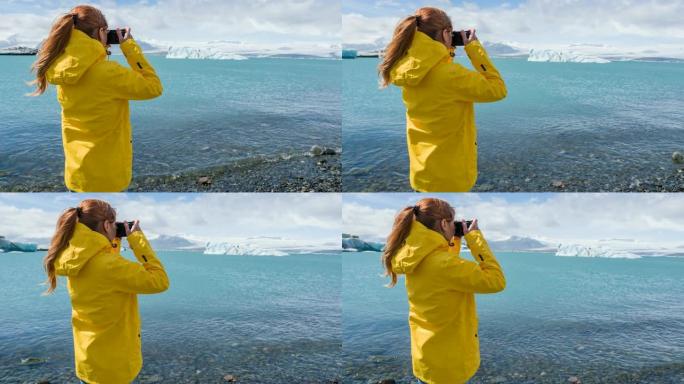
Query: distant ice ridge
[(207, 53), (551, 56), (235, 50), (269, 246), (12, 45), (240, 250), (577, 250)]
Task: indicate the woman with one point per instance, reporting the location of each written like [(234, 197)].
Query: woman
[(441, 287), (94, 94), (103, 287), (439, 96)]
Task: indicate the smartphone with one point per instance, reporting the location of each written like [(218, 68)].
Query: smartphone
[(121, 230), (459, 227), (112, 37), (457, 39)]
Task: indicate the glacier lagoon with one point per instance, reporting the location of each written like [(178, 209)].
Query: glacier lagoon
[(248, 125), (563, 127), (599, 319), (204, 327)]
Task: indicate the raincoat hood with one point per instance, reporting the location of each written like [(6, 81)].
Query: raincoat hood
[(80, 54), (420, 242), (421, 57), (84, 244)]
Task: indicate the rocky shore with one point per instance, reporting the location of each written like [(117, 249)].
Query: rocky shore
[(660, 181), (309, 173), (391, 370), (303, 361), (316, 171), (663, 182)]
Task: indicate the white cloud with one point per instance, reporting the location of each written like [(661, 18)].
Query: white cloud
[(277, 22), (202, 217), (638, 220), (545, 23)]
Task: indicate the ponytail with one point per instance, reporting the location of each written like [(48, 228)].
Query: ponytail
[(396, 238), (52, 47), (85, 18), (429, 212), (397, 48), (65, 230)]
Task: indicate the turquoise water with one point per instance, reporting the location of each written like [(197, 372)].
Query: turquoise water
[(212, 113), (263, 319), (602, 320), (594, 127)]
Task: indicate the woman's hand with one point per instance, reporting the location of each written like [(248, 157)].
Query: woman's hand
[(124, 34), (468, 40), (473, 226), (134, 228)]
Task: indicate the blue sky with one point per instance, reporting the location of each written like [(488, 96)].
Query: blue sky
[(623, 220), (200, 216)]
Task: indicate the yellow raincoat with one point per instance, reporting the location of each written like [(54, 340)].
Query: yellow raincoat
[(103, 287), (94, 94), (442, 316), (440, 117)]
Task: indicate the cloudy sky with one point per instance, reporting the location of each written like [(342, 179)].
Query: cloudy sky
[(625, 221), (544, 23), (311, 218), (255, 21)]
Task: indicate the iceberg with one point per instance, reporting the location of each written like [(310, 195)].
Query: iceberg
[(577, 250), (349, 53), (12, 246), (205, 53), (236, 249), (551, 56), (235, 50), (18, 50), (352, 243)]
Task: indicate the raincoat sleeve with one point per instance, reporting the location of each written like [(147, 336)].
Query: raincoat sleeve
[(147, 275), (482, 85), (484, 275), (140, 82)]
